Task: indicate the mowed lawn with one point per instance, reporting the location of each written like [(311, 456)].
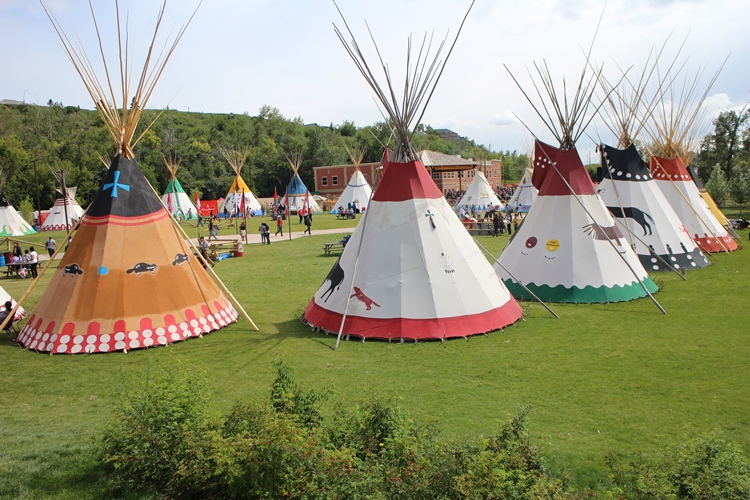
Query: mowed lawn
[(619, 378)]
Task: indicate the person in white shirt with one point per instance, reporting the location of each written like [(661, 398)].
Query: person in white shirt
[(33, 262)]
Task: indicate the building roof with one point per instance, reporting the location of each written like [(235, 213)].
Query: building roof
[(442, 162)]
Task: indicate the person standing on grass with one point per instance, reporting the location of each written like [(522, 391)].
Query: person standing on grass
[(279, 226), (308, 223), (33, 262), (243, 231), (51, 246)]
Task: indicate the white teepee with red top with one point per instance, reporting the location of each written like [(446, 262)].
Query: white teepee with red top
[(686, 200), (569, 248), (410, 269)]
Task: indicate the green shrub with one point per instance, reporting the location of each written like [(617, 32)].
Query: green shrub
[(155, 430), (705, 468)]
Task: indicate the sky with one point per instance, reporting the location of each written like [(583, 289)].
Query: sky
[(239, 55)]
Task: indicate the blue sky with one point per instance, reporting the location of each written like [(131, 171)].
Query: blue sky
[(239, 55)]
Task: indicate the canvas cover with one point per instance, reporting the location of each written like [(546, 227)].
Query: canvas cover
[(712, 204), (419, 275), (5, 297), (180, 202), (683, 195), (479, 195), (128, 280), (632, 196), (524, 195), (11, 222), (295, 196), (358, 191), (559, 252), (55, 221), (237, 191)]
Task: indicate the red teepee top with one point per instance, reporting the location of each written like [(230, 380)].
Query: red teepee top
[(406, 181), (663, 169), (568, 163)]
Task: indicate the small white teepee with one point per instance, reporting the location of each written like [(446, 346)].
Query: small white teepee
[(239, 198), (175, 198), (55, 221), (11, 222), (358, 191), (297, 195), (479, 195), (525, 194)]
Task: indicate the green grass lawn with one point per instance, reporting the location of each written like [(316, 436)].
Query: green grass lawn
[(613, 377)]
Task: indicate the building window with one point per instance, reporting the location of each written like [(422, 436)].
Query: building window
[(335, 180), (436, 175), (324, 181)]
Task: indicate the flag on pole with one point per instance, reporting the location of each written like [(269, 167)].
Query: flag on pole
[(169, 203), (286, 204), (197, 203), (307, 202), (274, 197)]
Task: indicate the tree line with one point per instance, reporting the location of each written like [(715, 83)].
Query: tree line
[(36, 142)]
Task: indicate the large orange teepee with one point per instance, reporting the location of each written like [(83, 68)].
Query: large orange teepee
[(129, 279)]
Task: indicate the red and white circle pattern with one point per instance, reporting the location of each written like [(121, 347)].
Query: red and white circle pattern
[(40, 337)]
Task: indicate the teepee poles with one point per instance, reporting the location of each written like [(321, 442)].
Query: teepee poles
[(218, 280)]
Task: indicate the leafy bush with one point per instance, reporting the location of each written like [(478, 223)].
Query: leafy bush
[(705, 468), (164, 441), (155, 431)]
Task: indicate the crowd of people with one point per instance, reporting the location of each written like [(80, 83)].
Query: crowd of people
[(503, 192)]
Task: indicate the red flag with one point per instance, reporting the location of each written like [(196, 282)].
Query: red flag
[(169, 202), (286, 204), (274, 196), (307, 201), (197, 203)]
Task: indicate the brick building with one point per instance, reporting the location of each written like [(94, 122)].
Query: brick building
[(450, 173)]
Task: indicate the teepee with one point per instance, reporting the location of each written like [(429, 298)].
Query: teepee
[(479, 195), (129, 279), (630, 192), (711, 203), (358, 191), (64, 204), (676, 129), (525, 194), (569, 248), (410, 269), (239, 198), (4, 297), (297, 195), (175, 198), (11, 222)]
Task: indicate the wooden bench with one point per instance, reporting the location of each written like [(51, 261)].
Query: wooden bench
[(12, 269), (341, 216), (335, 246)]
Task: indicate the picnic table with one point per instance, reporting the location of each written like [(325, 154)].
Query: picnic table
[(346, 214), (333, 246), (12, 269)]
